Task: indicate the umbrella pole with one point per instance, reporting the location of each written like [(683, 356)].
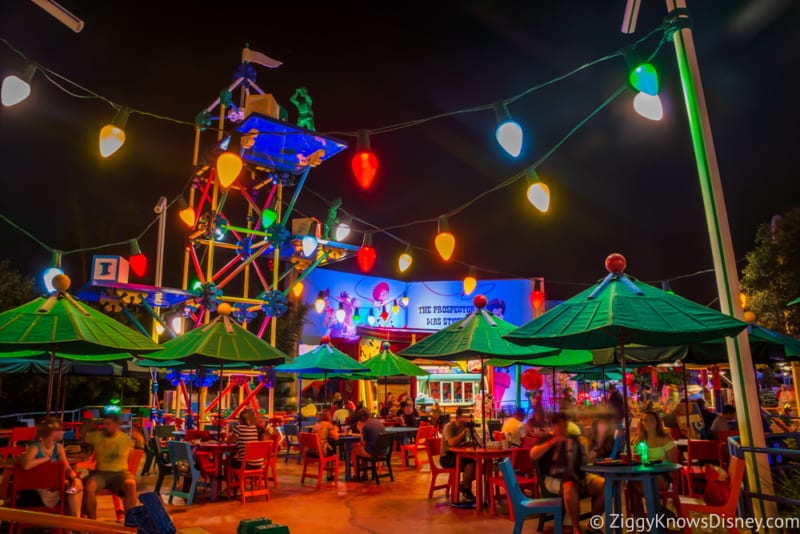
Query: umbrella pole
[(625, 420), (50, 383), (603, 369), (686, 398), (299, 398), (219, 404), (483, 407), (553, 400), (58, 387), (64, 396)]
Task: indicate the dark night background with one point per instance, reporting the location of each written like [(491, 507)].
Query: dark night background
[(620, 184)]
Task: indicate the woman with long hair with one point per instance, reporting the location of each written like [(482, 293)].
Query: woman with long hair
[(660, 447)]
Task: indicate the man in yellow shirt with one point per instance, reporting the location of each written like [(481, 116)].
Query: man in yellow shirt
[(309, 410), (111, 447)]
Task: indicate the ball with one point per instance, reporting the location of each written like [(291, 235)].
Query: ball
[(224, 309), (61, 282), (480, 301), (616, 263)]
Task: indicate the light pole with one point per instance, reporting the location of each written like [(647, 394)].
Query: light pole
[(161, 210)]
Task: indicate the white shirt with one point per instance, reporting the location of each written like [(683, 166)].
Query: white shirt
[(511, 427)]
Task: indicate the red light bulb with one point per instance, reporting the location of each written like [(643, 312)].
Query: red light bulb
[(138, 263), (364, 163), (537, 299), (366, 258)]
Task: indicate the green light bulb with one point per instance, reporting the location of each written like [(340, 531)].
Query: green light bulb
[(644, 78), (268, 218)]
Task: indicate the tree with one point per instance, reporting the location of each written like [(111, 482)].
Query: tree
[(772, 276), (15, 288)]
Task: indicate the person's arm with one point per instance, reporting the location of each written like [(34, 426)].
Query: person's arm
[(456, 438), (333, 432), (540, 450), (62, 457), (671, 452), (29, 460)]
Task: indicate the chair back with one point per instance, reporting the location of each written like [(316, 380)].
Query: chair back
[(510, 478), (21, 434), (290, 429), (256, 452), (202, 435), (497, 435), (49, 475), (434, 447), (736, 477), (704, 450), (423, 433), (309, 441), (521, 461), (164, 431), (723, 435), (134, 458), (180, 453), (155, 446), (494, 425), (383, 446)]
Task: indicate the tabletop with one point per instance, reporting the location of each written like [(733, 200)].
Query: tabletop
[(631, 469), (481, 452)]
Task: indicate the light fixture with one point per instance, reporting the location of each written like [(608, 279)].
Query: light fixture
[(648, 106), (405, 260), (112, 135), (342, 231), (395, 307), (319, 304), (340, 314), (16, 89), (47, 278), (404, 300), (508, 132), (229, 165), (445, 241), (644, 78), (357, 316), (297, 289), (371, 318), (185, 211), (137, 260), (176, 324), (160, 329), (268, 218), (309, 244), (364, 162), (665, 287), (537, 294), (366, 255), (538, 192), (470, 282)]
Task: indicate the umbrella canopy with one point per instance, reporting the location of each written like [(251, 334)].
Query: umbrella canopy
[(71, 329), (222, 341), (388, 363), (478, 335), (565, 359), (793, 302), (323, 360)]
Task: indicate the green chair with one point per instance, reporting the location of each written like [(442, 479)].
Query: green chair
[(523, 507)]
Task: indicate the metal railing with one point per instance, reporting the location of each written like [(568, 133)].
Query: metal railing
[(69, 415)]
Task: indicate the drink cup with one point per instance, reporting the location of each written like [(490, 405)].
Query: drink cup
[(624, 457)]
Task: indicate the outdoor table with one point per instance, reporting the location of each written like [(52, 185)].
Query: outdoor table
[(346, 441), (616, 474), (217, 450), (483, 458), (179, 434), (401, 434)]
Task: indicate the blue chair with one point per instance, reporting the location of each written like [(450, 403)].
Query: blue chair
[(523, 506), (183, 466)]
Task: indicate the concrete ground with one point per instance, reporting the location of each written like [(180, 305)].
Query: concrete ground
[(401, 506)]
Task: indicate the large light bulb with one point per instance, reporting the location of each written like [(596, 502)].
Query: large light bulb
[(47, 277), (319, 304), (648, 106), (371, 318), (509, 136), (539, 196), (404, 261), (176, 324), (111, 139), (229, 165), (445, 242), (342, 231), (297, 289), (14, 90), (470, 283), (309, 245), (340, 314)]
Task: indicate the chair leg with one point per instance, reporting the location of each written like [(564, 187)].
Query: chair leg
[(389, 466), (518, 526), (305, 466), (241, 488), (192, 491), (319, 476), (159, 481), (558, 520)]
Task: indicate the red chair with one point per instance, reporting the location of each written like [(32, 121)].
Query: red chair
[(311, 450), (722, 437), (415, 449), (255, 452), (690, 505), (497, 435), (49, 475), (134, 459), (433, 447), (272, 461), (700, 452), (523, 466), (17, 442)]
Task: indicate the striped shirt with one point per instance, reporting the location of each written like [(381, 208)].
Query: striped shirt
[(245, 434)]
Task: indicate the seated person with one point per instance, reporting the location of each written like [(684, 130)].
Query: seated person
[(328, 433), (660, 446), (340, 414), (455, 434), (45, 449), (707, 415), (512, 426), (561, 456), (244, 432), (602, 439), (111, 447), (370, 428), (722, 421), (408, 416), (387, 405)]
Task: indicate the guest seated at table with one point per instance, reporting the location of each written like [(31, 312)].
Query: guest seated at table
[(456, 434), (340, 413), (111, 447), (560, 456), (408, 415), (617, 405), (602, 439), (722, 421), (512, 426), (660, 446), (708, 417), (370, 428), (387, 405), (246, 431), (45, 449), (435, 413), (328, 434)]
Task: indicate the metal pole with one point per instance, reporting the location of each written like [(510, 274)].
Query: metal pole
[(741, 362), (161, 210)]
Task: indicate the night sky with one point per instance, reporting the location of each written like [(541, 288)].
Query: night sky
[(621, 183)]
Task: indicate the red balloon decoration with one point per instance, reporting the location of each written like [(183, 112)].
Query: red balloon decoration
[(532, 380), (616, 263), (629, 379), (366, 258), (480, 301), (324, 340)]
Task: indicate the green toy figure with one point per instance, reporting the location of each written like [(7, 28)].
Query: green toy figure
[(332, 219), (301, 100)]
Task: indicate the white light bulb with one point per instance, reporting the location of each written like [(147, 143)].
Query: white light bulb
[(539, 196), (509, 135), (309, 245), (342, 231), (339, 315), (648, 106), (47, 278), (176, 324), (14, 90)]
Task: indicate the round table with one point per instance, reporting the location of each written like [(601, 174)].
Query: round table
[(217, 450), (616, 474), (482, 458), (346, 442)]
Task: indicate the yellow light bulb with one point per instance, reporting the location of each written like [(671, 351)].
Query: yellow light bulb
[(297, 289), (111, 139), (470, 283), (404, 261), (445, 245), (539, 196), (187, 215), (229, 165), (159, 329)]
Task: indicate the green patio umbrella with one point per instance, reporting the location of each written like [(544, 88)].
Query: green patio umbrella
[(618, 311), (387, 363), (221, 342), (63, 327), (478, 336), (324, 360), (566, 358), (793, 302)]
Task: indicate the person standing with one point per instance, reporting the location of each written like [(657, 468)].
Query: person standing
[(111, 447), (722, 421), (455, 433), (512, 426)]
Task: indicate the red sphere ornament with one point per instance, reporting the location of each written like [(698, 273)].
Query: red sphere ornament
[(616, 263), (532, 380), (138, 263), (365, 165), (480, 301), (325, 340), (366, 258)]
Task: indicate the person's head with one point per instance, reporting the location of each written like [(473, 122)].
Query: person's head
[(560, 424), (49, 427), (435, 405), (338, 404), (324, 416), (519, 413), (729, 412), (408, 407), (362, 415), (309, 400), (110, 424), (463, 414), (389, 396), (652, 425)]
